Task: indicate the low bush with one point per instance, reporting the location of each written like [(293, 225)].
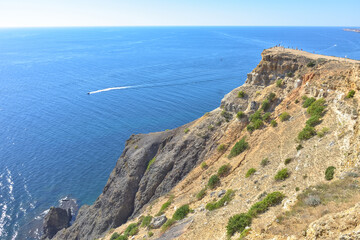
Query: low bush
[(131, 230), (308, 101), (317, 108), (150, 234), (224, 170), (312, 200), (150, 163), (311, 64), (273, 123), (146, 221), (350, 94), (282, 174), (122, 237), (241, 94), (264, 162), (239, 147), (204, 165), (250, 172), (221, 148), (164, 207), (238, 223), (114, 236), (266, 117), (290, 74), (323, 131), (186, 130), (258, 124), (181, 212), (271, 97), (284, 116), (214, 181), (287, 161), (200, 195), (299, 147), (265, 105), (226, 115), (279, 83), (167, 224), (307, 133), (329, 173), (313, 121), (250, 127), (255, 116), (240, 115), (225, 199)]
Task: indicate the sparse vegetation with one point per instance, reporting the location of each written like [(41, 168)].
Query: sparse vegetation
[(114, 236), (265, 105), (225, 199), (146, 221), (250, 128), (150, 163), (266, 117), (258, 124), (317, 108), (221, 148), (211, 127), (241, 94), (282, 174), (255, 116), (311, 64), (323, 131), (204, 165), (273, 123), (239, 147), (308, 101), (238, 223), (226, 115), (224, 170), (264, 162), (297, 189), (313, 121), (250, 172), (299, 147), (200, 195), (214, 181), (240, 115), (290, 74), (168, 224), (131, 230), (287, 161), (165, 206), (307, 133), (271, 96), (186, 130), (350, 94), (181, 212), (329, 173), (279, 83), (284, 116)]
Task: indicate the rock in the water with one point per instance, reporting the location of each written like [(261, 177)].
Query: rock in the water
[(157, 222), (55, 220)]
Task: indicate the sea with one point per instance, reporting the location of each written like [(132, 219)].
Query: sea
[(57, 141)]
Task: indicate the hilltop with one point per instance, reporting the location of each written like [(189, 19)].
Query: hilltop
[(296, 111)]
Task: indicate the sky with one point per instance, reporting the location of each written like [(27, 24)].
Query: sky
[(59, 13)]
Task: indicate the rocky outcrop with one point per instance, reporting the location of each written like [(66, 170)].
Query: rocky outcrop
[(157, 222), (55, 220)]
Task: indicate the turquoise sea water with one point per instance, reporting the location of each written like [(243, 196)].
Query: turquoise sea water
[(56, 140)]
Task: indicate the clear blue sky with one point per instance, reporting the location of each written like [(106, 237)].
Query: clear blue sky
[(26, 13)]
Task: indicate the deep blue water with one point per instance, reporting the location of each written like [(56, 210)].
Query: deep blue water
[(56, 140)]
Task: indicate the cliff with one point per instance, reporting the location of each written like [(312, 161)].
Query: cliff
[(165, 167)]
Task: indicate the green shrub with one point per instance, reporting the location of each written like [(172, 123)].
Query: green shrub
[(264, 162), (131, 230), (239, 147), (114, 236), (290, 74), (122, 237), (350, 94), (282, 174), (272, 199), (186, 130), (323, 131), (241, 94), (200, 195), (250, 127), (224, 170), (213, 181), (257, 208), (255, 116), (271, 96), (284, 116), (168, 224), (317, 108), (238, 223), (240, 115), (265, 105), (250, 172), (313, 121), (307, 133), (273, 123), (244, 234), (297, 189), (164, 207), (311, 64), (150, 234), (329, 173), (299, 147), (181, 212), (296, 101), (146, 221), (279, 83), (287, 161), (221, 148), (308, 101), (258, 124), (226, 198), (266, 117), (204, 165), (150, 163)]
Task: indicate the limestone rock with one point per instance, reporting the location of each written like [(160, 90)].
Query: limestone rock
[(157, 222), (55, 220)]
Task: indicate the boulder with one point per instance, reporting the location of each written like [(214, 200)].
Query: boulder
[(55, 220), (157, 222)]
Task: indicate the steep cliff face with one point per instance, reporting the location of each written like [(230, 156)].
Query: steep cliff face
[(285, 74)]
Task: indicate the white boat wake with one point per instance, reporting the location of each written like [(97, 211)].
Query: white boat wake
[(110, 89)]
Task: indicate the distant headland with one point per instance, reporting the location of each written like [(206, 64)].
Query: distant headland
[(352, 30)]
